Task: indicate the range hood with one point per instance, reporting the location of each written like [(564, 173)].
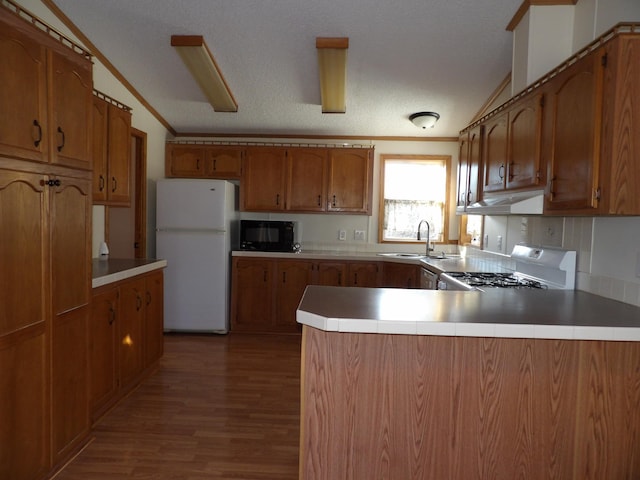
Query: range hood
[(512, 203)]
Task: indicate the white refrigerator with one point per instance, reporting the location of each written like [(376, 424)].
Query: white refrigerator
[(196, 229)]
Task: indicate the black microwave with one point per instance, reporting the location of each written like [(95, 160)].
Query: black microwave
[(266, 235)]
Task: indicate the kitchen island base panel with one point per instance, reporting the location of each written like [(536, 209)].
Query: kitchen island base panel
[(416, 407)]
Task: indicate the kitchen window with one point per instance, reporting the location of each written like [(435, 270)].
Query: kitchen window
[(414, 188)]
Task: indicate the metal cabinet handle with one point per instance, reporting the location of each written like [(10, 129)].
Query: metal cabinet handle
[(101, 183), (319, 200), (278, 199), (61, 146), (114, 184), (501, 172), (37, 125), (334, 201), (148, 298), (138, 302)]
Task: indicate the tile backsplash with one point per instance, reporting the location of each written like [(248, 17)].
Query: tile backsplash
[(608, 248)]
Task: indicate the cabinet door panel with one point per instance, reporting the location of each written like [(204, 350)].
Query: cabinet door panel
[(576, 105), (23, 122), (495, 153), (103, 329), (349, 187), (24, 375), (70, 248), (475, 158), (69, 381), (185, 161), (292, 277), (154, 318), (463, 171), (71, 90), (364, 274), (331, 274), (525, 134), (119, 155), (100, 120), (132, 298), (252, 295), (23, 241), (263, 181), (226, 162), (306, 180)]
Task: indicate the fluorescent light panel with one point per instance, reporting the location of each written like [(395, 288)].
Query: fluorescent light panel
[(332, 63), (200, 62)]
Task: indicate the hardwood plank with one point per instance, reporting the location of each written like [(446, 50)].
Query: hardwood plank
[(224, 407)]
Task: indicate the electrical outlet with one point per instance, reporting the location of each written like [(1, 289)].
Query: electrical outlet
[(342, 235), (499, 243), (359, 235)]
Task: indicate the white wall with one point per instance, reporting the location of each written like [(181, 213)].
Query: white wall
[(608, 248)]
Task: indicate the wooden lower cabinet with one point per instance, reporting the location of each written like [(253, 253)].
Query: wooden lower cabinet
[(401, 275), (24, 398), (69, 383), (265, 292), (292, 277), (433, 407), (125, 337)]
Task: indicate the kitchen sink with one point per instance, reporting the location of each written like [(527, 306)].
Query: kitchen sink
[(403, 255), (439, 256)]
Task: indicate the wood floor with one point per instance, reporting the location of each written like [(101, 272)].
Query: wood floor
[(219, 407)]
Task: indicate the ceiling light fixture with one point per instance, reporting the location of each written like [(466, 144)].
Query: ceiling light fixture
[(200, 62), (424, 119), (332, 63)]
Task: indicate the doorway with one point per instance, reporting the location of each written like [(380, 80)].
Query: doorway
[(125, 227)]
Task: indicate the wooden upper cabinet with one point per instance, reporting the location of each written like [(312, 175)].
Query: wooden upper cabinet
[(224, 162), (23, 98), (524, 151), (203, 161), (45, 98), (307, 179), (494, 154), (572, 135), (111, 154), (463, 171), (474, 164), (119, 157), (71, 90), (100, 124), (349, 187), (262, 187), (185, 161), (619, 165)]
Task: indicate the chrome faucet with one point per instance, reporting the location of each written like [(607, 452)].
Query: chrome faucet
[(429, 249)]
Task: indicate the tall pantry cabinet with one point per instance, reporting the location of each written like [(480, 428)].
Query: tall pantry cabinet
[(45, 255)]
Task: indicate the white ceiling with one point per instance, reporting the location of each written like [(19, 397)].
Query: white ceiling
[(406, 56)]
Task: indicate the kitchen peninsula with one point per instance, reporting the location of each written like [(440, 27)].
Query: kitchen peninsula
[(418, 384)]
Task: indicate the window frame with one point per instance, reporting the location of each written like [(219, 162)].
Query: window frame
[(446, 159)]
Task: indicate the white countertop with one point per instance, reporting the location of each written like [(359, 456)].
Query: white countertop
[(110, 270), (509, 313)]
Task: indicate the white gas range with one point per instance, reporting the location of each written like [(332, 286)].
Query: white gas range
[(535, 267)]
